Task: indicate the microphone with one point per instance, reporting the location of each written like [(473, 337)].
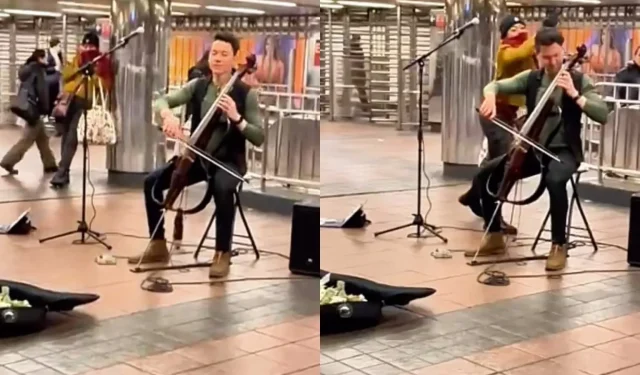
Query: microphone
[(475, 21), (138, 31)]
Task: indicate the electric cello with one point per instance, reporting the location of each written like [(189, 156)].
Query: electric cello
[(528, 140), (525, 141)]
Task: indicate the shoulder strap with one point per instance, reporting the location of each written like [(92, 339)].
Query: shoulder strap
[(201, 89), (533, 84), (199, 93)]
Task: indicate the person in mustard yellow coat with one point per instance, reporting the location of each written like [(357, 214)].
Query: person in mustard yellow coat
[(72, 84)]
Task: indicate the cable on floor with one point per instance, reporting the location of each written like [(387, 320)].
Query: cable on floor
[(501, 278), (426, 176), (157, 284), (93, 189), (162, 285)]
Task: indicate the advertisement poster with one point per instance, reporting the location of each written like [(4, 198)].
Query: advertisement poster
[(273, 54), (607, 50), (313, 61)]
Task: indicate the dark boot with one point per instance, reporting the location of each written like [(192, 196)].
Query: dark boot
[(52, 169), (508, 229), (471, 200), (60, 179), (9, 169)]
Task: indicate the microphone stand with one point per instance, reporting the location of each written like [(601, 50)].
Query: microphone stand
[(418, 220), (87, 71)]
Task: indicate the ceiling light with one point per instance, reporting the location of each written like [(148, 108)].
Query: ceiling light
[(268, 2), (366, 4), (87, 12), (84, 5), (235, 10), (510, 4), (421, 3), (331, 6), (34, 13), (326, 1), (177, 13), (185, 5), (583, 1), (4, 15)]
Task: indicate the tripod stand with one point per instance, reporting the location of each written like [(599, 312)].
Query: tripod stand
[(83, 227), (419, 221), (87, 71)]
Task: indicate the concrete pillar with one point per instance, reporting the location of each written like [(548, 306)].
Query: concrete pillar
[(141, 76), (468, 67)]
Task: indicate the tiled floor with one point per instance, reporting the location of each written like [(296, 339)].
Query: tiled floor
[(584, 323), (249, 327)]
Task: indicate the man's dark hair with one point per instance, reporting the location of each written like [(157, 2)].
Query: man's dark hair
[(228, 38), (54, 42), (548, 37)]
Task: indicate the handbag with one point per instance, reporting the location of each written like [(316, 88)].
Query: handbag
[(25, 103), (100, 126), (63, 102)]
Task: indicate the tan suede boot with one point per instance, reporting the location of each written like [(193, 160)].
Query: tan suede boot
[(557, 259), (221, 264), (157, 253), (492, 244)]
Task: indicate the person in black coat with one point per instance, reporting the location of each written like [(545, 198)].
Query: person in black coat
[(199, 70), (33, 72), (630, 75)]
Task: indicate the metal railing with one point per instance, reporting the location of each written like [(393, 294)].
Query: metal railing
[(613, 148), (290, 154)]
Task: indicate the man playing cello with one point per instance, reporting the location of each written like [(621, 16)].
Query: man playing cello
[(515, 55), (241, 123), (574, 95)]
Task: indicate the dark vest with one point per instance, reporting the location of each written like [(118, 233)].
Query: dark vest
[(232, 148), (571, 111)]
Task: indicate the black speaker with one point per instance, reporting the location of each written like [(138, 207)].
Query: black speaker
[(304, 254), (633, 247)]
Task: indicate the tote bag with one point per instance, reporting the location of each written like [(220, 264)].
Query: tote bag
[(100, 127)]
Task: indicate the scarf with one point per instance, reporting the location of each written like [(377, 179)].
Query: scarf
[(516, 41)]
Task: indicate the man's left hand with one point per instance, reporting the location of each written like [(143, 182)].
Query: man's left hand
[(228, 106), (566, 83)]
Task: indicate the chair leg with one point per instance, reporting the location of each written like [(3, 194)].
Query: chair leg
[(574, 199), (204, 235), (246, 227), (586, 223), (544, 223)]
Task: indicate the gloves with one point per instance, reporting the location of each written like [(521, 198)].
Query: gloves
[(552, 20)]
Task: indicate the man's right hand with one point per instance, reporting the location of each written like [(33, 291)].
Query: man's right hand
[(488, 107), (171, 127)]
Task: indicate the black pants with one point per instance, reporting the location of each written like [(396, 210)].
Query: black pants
[(555, 178), (68, 127), (224, 187), (498, 140)]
